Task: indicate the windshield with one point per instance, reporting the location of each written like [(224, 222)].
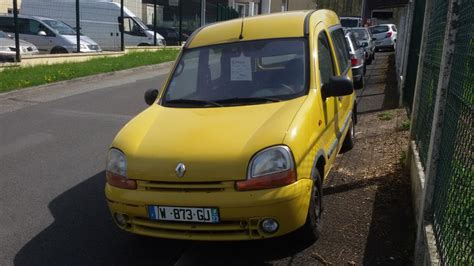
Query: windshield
[(378, 29), (239, 73), (360, 34), (349, 22), (60, 27), (139, 22)]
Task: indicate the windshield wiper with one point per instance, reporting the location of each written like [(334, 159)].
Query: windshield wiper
[(248, 100), (193, 102)]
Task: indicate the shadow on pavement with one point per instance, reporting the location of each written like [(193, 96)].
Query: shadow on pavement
[(83, 233), (392, 230)]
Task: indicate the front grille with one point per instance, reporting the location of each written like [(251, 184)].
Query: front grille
[(13, 49), (186, 186), (225, 230), (30, 49)]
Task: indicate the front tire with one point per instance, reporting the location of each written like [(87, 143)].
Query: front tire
[(59, 50), (311, 230)]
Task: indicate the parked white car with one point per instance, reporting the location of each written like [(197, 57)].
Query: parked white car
[(49, 35), (385, 36), (8, 48)]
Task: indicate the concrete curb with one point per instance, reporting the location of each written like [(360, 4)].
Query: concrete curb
[(157, 67)]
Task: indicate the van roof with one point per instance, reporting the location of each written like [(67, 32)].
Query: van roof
[(277, 25), (26, 16)]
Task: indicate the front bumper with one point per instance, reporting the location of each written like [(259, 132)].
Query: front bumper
[(241, 212), (385, 43)]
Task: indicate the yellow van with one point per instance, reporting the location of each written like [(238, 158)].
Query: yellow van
[(237, 143)]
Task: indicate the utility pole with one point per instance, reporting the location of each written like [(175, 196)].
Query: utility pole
[(180, 21), (17, 31), (154, 23), (78, 28), (122, 28)]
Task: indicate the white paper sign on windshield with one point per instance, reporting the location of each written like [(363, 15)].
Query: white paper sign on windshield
[(240, 68)]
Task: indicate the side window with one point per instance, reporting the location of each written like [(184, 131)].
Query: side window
[(6, 24), (131, 27), (325, 61), (342, 50)]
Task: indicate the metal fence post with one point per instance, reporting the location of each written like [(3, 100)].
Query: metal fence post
[(419, 71), (426, 215), (78, 27), (17, 31), (406, 44), (122, 28), (180, 21), (154, 23), (203, 12)]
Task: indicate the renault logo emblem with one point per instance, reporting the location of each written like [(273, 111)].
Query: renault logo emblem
[(180, 170)]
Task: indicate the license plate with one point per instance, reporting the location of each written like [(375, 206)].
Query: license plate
[(183, 214)]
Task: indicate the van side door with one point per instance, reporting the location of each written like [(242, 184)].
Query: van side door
[(327, 68), (29, 31), (344, 103)]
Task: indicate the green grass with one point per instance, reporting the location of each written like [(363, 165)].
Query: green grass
[(385, 116), (16, 78), (404, 126)]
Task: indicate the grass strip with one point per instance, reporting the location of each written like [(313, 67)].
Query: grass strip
[(16, 78)]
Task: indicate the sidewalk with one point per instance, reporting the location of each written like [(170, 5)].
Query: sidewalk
[(368, 218)]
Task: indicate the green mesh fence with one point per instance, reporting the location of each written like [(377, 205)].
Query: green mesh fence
[(414, 51), (429, 79), (453, 204)]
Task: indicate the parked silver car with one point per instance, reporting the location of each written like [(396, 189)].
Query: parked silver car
[(385, 36), (49, 35), (365, 39), (8, 48), (356, 52)]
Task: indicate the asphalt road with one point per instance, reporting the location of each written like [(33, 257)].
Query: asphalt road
[(53, 143)]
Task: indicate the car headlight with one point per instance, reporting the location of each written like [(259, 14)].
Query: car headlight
[(116, 170), (270, 168)]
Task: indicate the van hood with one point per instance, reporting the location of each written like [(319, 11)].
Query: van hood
[(84, 39), (215, 144), (151, 34)]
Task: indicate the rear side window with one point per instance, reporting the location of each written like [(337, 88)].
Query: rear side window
[(342, 50), (355, 43), (379, 29), (326, 65), (6, 24)]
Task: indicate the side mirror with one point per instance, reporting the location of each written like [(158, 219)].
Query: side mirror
[(337, 86), (150, 96), (42, 33)]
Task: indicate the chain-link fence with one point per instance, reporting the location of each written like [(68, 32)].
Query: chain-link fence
[(93, 26), (429, 77), (454, 188), (443, 123)]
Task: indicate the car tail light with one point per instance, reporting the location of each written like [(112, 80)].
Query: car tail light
[(119, 181), (389, 34), (354, 61), (269, 181)]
